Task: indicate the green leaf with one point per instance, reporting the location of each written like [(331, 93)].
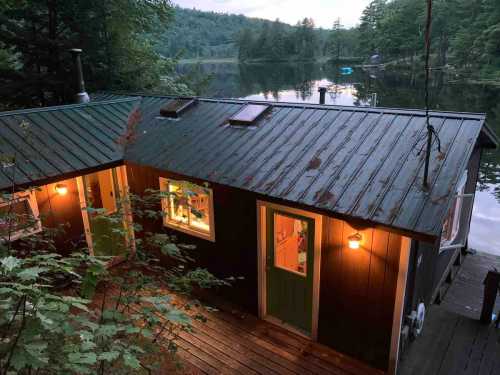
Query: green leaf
[(83, 358), (109, 356), (177, 316), (10, 263), (131, 361), (32, 273)]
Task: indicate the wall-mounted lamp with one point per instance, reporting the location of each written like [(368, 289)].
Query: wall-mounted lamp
[(354, 240), (61, 189)]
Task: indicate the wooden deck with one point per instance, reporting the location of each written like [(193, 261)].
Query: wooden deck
[(230, 342), (453, 340)]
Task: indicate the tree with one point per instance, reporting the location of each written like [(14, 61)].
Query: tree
[(245, 44), (118, 55), (337, 39)]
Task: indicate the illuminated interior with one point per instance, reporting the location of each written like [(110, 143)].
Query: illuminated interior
[(291, 245), (100, 191), (189, 205)]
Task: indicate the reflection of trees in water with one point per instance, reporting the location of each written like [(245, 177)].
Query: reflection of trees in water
[(270, 79)]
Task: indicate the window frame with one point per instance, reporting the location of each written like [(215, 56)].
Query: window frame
[(186, 227), (30, 197), (458, 211)]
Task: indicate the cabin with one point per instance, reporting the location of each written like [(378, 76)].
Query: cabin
[(321, 209)]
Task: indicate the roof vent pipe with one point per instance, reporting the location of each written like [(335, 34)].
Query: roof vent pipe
[(322, 95), (81, 95)]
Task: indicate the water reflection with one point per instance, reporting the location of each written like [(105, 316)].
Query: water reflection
[(300, 83)]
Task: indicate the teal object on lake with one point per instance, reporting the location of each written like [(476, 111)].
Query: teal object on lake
[(346, 70)]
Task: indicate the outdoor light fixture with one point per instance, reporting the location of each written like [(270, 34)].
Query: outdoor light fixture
[(354, 240), (61, 189)]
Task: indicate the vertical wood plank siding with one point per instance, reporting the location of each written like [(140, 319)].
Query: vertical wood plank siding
[(57, 210), (357, 292)]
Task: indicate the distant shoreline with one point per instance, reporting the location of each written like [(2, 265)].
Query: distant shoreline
[(234, 60)]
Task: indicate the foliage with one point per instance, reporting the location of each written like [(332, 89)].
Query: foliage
[(74, 315), (465, 33), (112, 34), (278, 41), (198, 34)]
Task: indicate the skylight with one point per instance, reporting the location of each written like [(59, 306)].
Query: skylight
[(174, 108), (249, 114)]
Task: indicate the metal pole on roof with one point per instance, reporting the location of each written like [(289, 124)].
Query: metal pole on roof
[(430, 128)]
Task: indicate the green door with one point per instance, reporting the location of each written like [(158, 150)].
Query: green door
[(289, 270), (107, 229)]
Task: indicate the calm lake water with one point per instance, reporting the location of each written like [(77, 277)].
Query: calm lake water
[(300, 82)]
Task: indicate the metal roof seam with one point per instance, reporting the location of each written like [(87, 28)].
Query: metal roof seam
[(323, 147), (88, 141), (212, 113), (333, 181), (355, 173), (264, 133), (64, 138), (395, 174), (220, 118), (332, 156), (357, 200), (417, 175), (227, 140), (282, 160), (277, 137), (302, 153)]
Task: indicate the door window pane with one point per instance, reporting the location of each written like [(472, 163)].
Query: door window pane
[(291, 245)]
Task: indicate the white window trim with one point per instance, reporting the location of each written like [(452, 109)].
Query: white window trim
[(29, 196), (457, 217), (186, 228)]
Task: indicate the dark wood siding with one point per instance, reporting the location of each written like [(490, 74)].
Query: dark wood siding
[(357, 291), (234, 252), (56, 210)]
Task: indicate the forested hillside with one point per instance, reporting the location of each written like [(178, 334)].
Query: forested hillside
[(197, 34)]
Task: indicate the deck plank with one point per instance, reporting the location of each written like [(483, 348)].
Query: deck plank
[(453, 339)]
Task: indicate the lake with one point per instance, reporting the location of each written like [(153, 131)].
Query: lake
[(299, 82)]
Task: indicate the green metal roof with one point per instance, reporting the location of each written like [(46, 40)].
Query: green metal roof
[(357, 162), (55, 141)]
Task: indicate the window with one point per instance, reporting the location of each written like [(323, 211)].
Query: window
[(19, 217), (290, 243), (188, 208), (249, 114), (462, 203), (174, 108)]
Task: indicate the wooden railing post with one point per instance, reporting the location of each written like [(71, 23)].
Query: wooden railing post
[(491, 286)]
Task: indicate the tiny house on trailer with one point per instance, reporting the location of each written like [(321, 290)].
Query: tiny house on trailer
[(321, 209)]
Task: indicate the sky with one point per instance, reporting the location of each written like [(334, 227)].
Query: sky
[(324, 12)]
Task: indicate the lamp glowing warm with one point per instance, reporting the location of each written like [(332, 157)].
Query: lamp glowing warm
[(61, 189), (354, 241)]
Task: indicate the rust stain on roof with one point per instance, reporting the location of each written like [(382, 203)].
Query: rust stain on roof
[(323, 197), (314, 163)]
